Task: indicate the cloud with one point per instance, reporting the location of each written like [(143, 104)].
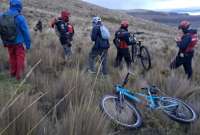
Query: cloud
[(172, 4), (146, 4), (122, 4)]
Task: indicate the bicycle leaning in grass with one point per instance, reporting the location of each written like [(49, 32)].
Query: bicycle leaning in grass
[(139, 51), (121, 107)]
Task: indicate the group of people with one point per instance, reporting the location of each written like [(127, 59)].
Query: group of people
[(14, 32)]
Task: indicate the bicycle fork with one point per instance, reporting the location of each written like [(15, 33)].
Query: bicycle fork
[(120, 101)]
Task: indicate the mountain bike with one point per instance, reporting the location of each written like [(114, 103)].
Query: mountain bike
[(138, 51), (121, 107)]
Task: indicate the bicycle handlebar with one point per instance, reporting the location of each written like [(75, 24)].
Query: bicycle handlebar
[(137, 33)]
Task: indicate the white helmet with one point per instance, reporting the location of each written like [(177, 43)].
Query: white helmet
[(96, 19)]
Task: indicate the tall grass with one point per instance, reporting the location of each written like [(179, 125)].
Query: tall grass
[(71, 103)]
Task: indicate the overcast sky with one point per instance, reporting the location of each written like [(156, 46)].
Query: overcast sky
[(146, 4)]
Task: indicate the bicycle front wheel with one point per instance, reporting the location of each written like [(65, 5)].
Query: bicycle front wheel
[(122, 113), (178, 110), (145, 58)]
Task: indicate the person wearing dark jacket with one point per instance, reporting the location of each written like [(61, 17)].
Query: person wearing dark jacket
[(38, 26), (122, 35), (64, 30), (186, 44), (100, 47), (15, 47)]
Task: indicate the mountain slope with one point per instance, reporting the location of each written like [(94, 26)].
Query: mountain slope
[(169, 18), (83, 12), (64, 99)]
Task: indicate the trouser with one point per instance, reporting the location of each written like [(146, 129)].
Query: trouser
[(123, 53), (186, 61), (67, 49), (16, 60), (94, 53)]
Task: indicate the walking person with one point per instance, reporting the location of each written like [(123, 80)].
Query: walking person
[(14, 32), (100, 36), (186, 44), (121, 42), (38, 26), (64, 30)]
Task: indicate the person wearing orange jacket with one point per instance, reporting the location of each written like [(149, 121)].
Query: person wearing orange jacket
[(64, 30), (121, 42)]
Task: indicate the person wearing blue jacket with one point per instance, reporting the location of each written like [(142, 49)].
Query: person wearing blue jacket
[(16, 48), (100, 47), (186, 44)]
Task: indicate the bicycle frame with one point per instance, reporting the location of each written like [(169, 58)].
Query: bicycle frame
[(135, 50), (151, 99)]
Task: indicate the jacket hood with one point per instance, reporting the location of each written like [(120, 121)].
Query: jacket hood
[(16, 4)]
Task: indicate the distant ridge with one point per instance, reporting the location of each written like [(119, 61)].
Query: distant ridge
[(171, 18)]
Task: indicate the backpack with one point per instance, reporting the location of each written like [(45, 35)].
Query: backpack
[(8, 28), (116, 42), (105, 34), (194, 41), (125, 36), (61, 27)]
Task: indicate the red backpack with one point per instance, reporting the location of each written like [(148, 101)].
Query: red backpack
[(193, 43)]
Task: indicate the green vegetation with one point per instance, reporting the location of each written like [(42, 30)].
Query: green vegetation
[(60, 98)]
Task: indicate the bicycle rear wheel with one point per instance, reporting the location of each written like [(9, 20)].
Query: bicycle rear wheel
[(134, 49), (178, 110), (124, 114), (145, 58)]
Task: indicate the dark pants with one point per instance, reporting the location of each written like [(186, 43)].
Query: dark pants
[(66, 44), (67, 50), (123, 53), (186, 61), (94, 53)]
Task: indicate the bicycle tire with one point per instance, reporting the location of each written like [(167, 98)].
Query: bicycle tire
[(123, 116), (134, 53), (145, 58), (176, 114)]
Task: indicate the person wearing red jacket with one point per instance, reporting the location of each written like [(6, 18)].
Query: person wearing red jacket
[(121, 42), (64, 30), (186, 44)]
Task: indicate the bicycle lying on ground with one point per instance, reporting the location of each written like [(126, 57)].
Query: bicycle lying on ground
[(121, 107), (138, 51)]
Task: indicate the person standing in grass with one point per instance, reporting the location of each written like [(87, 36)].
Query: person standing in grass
[(64, 30), (100, 36), (14, 32), (121, 41), (38, 26), (186, 44)]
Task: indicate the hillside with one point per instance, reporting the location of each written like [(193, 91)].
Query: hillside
[(59, 97), (83, 12)]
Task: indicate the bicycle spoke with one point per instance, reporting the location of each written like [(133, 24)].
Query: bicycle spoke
[(178, 110), (123, 113)]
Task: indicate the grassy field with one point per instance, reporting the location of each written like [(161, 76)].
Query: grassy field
[(60, 98)]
